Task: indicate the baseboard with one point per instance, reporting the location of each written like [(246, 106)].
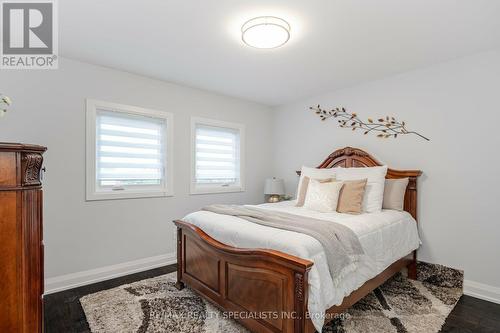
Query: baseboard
[(482, 291), (73, 280)]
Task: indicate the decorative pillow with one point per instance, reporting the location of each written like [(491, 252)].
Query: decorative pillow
[(394, 193), (302, 190), (322, 196), (374, 191), (301, 197), (351, 196), (314, 173)]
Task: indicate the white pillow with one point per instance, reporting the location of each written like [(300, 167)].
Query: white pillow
[(315, 173), (374, 192), (322, 197), (394, 193)]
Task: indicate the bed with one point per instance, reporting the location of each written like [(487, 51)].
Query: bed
[(274, 280)]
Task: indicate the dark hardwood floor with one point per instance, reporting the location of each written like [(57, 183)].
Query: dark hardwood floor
[(63, 313), (472, 315)]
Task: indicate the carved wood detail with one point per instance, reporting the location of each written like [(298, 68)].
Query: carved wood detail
[(299, 286), (301, 292), (31, 167), (348, 151)]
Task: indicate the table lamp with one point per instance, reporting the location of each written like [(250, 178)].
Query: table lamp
[(275, 188)]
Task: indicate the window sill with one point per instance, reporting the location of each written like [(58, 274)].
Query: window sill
[(216, 190), (98, 196)]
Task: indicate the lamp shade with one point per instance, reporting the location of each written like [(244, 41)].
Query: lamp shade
[(274, 186)]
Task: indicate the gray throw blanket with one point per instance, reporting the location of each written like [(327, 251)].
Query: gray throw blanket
[(341, 245)]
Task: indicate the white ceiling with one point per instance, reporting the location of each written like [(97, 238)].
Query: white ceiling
[(334, 43)]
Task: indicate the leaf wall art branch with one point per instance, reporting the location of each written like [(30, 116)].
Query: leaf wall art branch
[(387, 127)]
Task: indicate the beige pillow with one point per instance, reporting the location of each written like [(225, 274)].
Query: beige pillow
[(322, 196), (394, 193), (351, 196), (374, 191), (304, 184)]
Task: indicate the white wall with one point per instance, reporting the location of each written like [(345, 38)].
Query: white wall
[(49, 109), (456, 104)]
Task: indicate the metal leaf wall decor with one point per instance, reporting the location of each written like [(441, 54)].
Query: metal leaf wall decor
[(387, 127)]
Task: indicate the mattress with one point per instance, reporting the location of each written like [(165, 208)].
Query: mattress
[(385, 236)]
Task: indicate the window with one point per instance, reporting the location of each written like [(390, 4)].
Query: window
[(128, 152), (217, 156)]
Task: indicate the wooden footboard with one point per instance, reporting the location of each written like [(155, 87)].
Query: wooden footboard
[(264, 290)]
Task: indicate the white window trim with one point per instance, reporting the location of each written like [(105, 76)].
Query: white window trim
[(210, 189), (91, 115)]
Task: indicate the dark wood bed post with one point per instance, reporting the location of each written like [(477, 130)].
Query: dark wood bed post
[(411, 207), (300, 301), (179, 284)]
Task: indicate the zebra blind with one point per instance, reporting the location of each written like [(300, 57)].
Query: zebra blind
[(217, 155), (130, 150)]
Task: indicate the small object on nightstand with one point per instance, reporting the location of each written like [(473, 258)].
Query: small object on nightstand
[(275, 188)]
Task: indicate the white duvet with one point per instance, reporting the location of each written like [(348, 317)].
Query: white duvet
[(385, 236)]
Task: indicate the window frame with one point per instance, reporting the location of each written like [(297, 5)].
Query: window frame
[(211, 188), (92, 189)]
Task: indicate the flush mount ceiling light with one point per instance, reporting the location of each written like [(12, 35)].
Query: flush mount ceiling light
[(265, 32)]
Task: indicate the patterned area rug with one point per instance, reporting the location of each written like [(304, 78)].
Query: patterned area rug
[(155, 305)]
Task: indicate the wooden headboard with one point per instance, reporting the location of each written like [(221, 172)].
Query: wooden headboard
[(349, 157)]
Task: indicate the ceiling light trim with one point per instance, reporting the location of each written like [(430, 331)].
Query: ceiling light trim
[(265, 20)]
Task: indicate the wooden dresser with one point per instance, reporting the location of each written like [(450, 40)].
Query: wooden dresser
[(21, 245)]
